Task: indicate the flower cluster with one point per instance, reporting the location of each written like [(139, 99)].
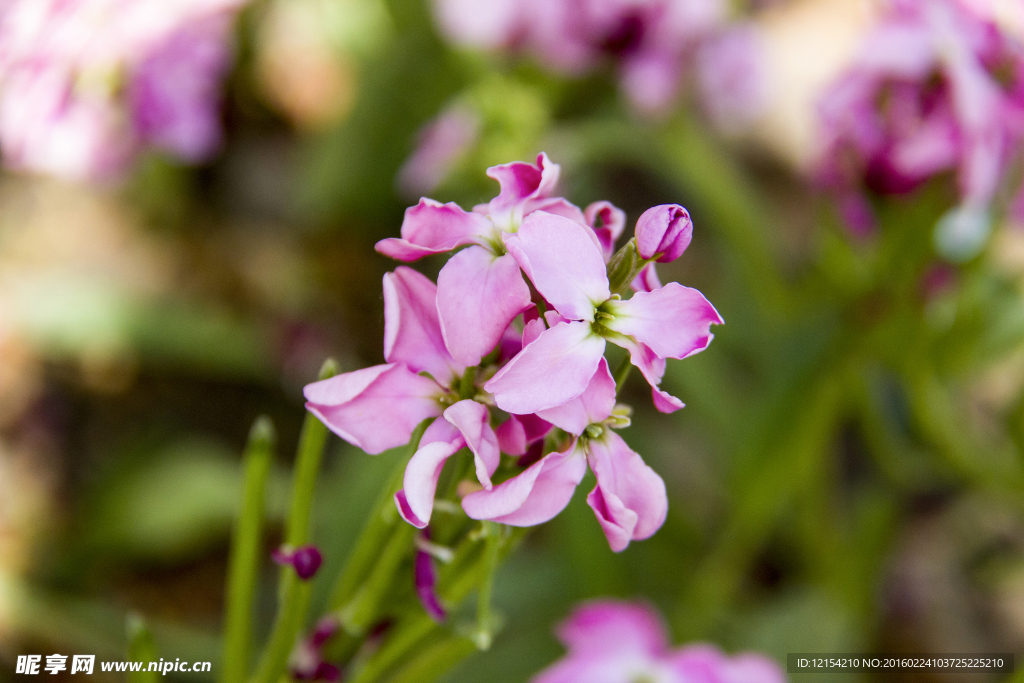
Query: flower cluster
[(86, 84), (620, 642), (651, 43), (936, 88), (505, 368)]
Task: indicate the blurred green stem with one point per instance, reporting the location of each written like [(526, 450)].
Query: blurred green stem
[(245, 559), (484, 620), (293, 593), (141, 648)]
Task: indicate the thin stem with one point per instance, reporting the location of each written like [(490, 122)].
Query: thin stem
[(141, 648), (484, 620), (375, 534), (293, 593), (622, 373), (245, 552)]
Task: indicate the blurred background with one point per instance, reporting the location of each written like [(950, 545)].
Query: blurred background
[(847, 475)]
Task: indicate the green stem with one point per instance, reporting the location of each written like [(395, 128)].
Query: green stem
[(622, 373), (293, 593), (141, 648), (245, 552), (434, 660), (364, 608), (484, 635), (375, 534)]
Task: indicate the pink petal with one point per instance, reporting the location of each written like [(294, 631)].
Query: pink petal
[(474, 422), (375, 408), (561, 259), (478, 296), (533, 497), (521, 181), (558, 206), (609, 627), (532, 330), (653, 369), (431, 227), (608, 221), (555, 368), (594, 405), (629, 499), (646, 280), (412, 332), (674, 321), (415, 501), (707, 664), (518, 432)]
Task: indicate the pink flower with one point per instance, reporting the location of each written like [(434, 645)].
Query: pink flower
[(480, 290), (621, 642), (560, 259), (441, 145), (629, 499), (935, 89), (425, 580), (86, 84), (378, 408)]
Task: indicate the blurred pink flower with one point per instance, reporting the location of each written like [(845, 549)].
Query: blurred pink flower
[(732, 76), (651, 42), (936, 88), (621, 642), (442, 143), (86, 84)]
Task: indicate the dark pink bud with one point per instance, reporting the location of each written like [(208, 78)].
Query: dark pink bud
[(306, 560), (663, 231), (426, 580), (324, 631), (327, 672)]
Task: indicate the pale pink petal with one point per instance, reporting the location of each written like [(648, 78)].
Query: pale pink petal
[(478, 296), (553, 369), (532, 330), (608, 221), (702, 663), (431, 227), (646, 280), (533, 497), (474, 422), (375, 408), (674, 321), (412, 332), (629, 499), (561, 259), (521, 181), (415, 501), (608, 627), (558, 206), (653, 369), (599, 669), (593, 406)]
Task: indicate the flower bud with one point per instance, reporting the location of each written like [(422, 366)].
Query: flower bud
[(306, 560), (663, 232)]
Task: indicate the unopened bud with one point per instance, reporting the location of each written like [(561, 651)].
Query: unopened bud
[(306, 560), (663, 233)]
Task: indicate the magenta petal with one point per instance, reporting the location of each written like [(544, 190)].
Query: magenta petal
[(629, 499), (702, 663), (532, 330), (521, 181), (536, 495), (561, 259), (473, 421), (478, 295), (674, 321), (608, 221), (519, 432), (555, 368), (653, 369), (415, 501), (646, 280), (426, 580), (375, 408), (431, 227), (609, 627), (558, 206), (412, 332), (594, 405)]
